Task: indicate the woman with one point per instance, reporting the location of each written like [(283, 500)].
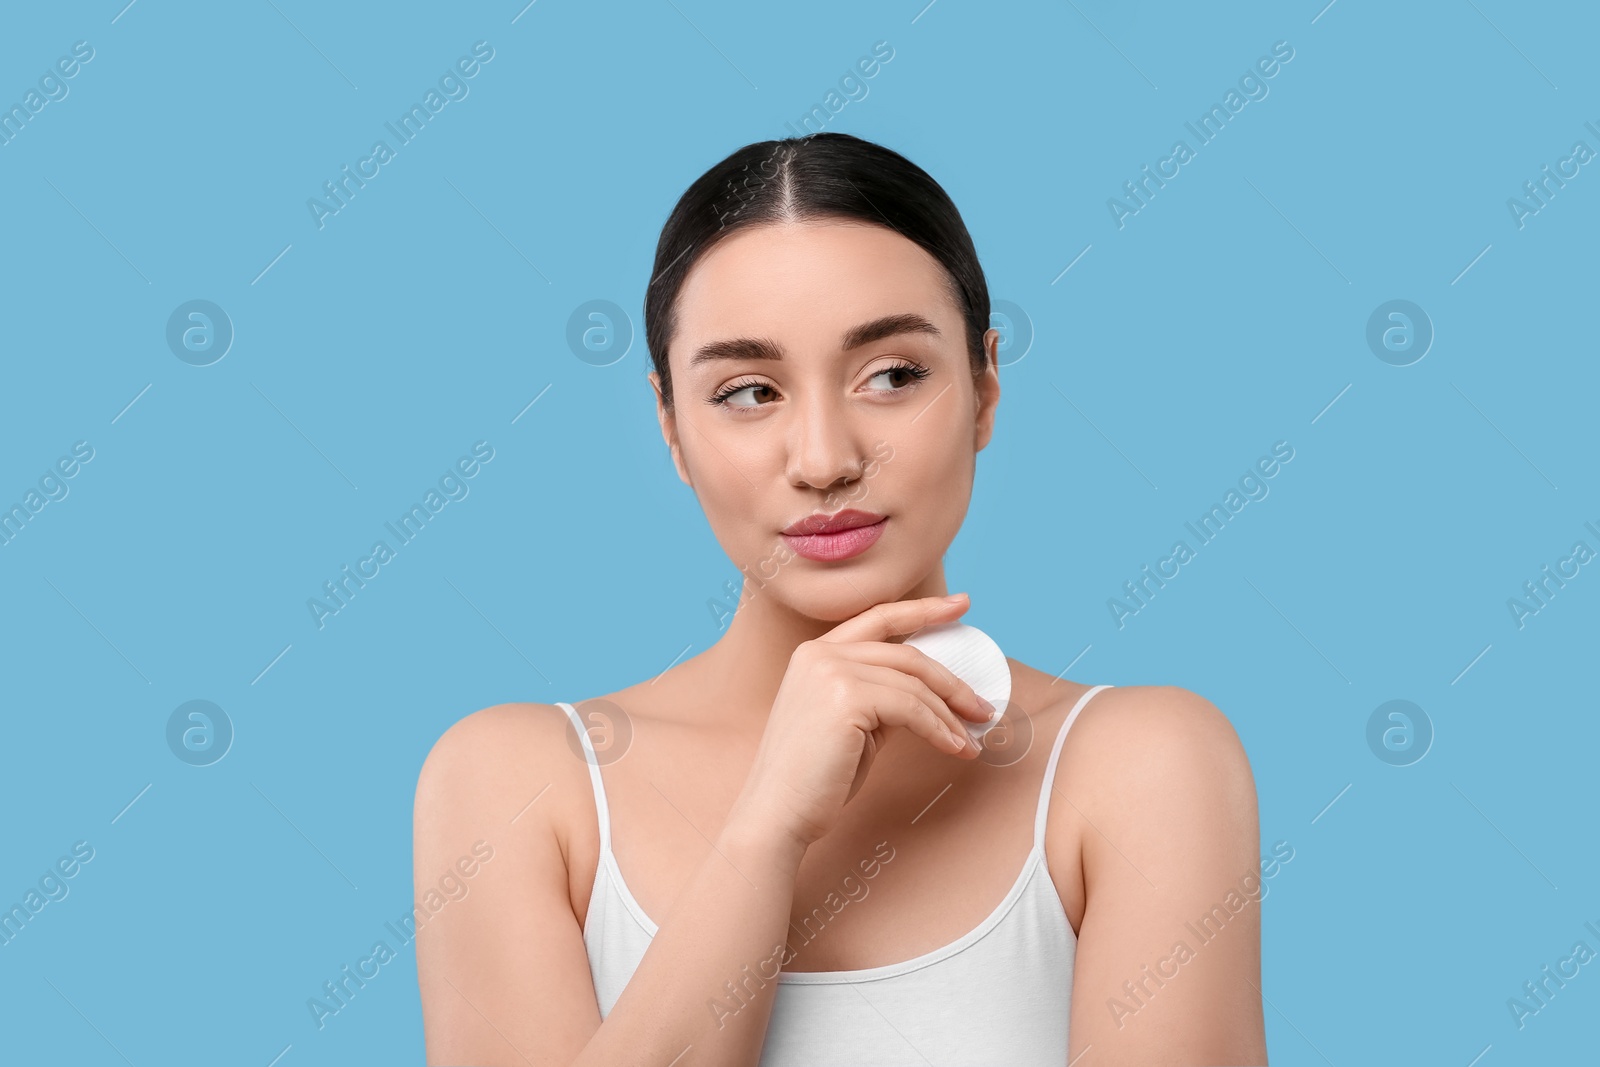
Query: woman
[(820, 866)]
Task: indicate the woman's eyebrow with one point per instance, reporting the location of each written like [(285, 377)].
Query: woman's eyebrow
[(855, 337), (887, 326)]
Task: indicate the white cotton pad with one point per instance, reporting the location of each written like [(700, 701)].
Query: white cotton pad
[(973, 657)]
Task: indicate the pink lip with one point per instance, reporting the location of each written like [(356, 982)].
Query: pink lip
[(819, 523), (828, 547)]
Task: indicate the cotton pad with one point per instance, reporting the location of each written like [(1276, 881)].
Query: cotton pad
[(972, 656)]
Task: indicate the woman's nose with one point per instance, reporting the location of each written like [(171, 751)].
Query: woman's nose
[(822, 448)]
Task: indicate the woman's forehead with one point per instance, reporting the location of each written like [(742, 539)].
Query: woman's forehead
[(811, 280)]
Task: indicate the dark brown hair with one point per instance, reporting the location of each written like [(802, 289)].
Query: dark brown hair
[(821, 176)]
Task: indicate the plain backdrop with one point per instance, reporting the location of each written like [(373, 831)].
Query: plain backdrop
[(1149, 366)]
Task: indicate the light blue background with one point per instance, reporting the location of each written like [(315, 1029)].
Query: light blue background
[(1228, 314)]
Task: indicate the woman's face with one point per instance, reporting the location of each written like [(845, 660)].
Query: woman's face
[(832, 419)]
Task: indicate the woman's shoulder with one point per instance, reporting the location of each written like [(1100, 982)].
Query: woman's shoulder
[(491, 755), (1159, 767), (1134, 722), (494, 729), (1157, 717), (1157, 755)]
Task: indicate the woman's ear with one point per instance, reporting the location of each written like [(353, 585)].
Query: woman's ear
[(988, 388), (669, 431)]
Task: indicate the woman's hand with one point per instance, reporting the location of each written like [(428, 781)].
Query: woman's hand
[(839, 695)]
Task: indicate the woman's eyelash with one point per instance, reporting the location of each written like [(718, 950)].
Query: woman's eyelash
[(730, 389), (917, 371)]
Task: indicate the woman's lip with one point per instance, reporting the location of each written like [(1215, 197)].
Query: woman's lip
[(828, 547), (840, 520)]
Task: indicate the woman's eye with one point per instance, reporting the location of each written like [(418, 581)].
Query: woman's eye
[(729, 397), (760, 394), (910, 375)]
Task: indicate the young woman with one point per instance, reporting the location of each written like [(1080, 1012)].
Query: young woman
[(785, 850)]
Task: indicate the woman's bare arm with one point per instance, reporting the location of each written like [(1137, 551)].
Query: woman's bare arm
[(1168, 967), (503, 971)]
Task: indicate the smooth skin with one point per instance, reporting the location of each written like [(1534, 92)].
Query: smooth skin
[(808, 739)]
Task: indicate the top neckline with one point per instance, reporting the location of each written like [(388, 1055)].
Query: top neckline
[(1034, 862)]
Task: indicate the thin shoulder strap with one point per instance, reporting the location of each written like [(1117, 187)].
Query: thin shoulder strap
[(593, 761), (1050, 769)]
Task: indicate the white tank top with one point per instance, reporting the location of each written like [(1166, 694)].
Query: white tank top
[(1001, 993)]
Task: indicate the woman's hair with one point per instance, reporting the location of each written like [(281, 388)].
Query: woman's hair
[(818, 177)]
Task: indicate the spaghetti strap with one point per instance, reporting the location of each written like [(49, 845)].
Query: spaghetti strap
[(1050, 769), (589, 757), (1000, 966)]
